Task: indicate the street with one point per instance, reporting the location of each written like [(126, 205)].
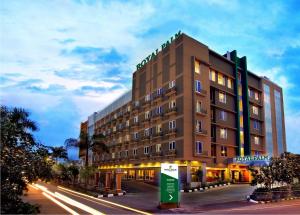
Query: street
[(221, 200)]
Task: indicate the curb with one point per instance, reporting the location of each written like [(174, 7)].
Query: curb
[(111, 195), (202, 189), (271, 201)]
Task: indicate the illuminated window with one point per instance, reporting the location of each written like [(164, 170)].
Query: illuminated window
[(198, 147), (212, 75), (172, 104), (197, 66), (222, 97), (230, 83), (158, 128), (147, 114), (147, 97), (240, 90), (113, 155), (171, 84), (240, 105), (198, 106), (256, 140), (172, 145), (221, 79), (256, 96), (241, 121), (223, 133), (127, 123), (255, 110), (158, 147), (242, 137), (223, 151), (128, 108)]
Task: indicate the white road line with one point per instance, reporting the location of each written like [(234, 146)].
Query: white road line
[(60, 204), (108, 202)]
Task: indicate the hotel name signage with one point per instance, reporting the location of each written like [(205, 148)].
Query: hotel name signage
[(252, 158), (154, 54)]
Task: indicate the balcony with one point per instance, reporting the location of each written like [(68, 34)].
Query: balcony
[(201, 111), (135, 124), (201, 131), (170, 153), (146, 120), (171, 131), (171, 91), (157, 135), (170, 111), (157, 98), (201, 92), (255, 101), (204, 153), (146, 103), (157, 116), (145, 137)]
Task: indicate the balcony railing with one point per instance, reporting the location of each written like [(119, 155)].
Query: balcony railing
[(170, 153), (170, 91), (204, 153), (171, 110), (201, 131), (171, 131), (201, 111), (201, 92)]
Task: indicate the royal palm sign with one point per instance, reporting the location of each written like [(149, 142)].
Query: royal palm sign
[(247, 159), (154, 54), (169, 187)]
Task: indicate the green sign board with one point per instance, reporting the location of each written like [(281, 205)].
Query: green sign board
[(169, 187)]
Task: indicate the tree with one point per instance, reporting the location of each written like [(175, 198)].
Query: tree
[(22, 160), (86, 143), (199, 174), (74, 172), (86, 172), (59, 152)]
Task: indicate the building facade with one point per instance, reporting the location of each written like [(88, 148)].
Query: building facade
[(195, 107)]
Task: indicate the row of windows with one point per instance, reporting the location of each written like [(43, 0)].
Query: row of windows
[(222, 79), (158, 92)]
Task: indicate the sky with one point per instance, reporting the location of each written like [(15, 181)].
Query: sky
[(62, 60)]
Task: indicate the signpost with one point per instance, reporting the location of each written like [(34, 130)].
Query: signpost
[(169, 187)]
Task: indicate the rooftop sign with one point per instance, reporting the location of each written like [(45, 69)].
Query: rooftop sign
[(154, 54)]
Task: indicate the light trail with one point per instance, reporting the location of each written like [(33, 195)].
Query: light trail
[(69, 200), (108, 202), (60, 204), (34, 187), (78, 204)]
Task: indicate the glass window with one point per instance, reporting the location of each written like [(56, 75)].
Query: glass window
[(135, 119), (278, 118), (223, 151), (241, 121), (158, 128), (268, 120), (256, 124), (147, 97), (197, 66), (172, 145), (198, 106), (135, 135), (198, 86), (172, 124), (255, 110), (159, 91), (126, 153), (134, 151), (223, 115), (113, 155), (198, 125), (172, 104), (256, 140), (230, 83), (256, 96), (222, 97), (221, 79), (147, 114), (212, 75), (198, 147), (146, 150), (147, 132), (158, 147), (172, 84), (223, 133)]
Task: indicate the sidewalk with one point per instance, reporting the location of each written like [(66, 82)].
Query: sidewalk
[(34, 196)]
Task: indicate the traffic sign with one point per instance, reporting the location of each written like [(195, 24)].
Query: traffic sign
[(169, 188)]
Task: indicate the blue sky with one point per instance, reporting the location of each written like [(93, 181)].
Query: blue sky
[(63, 60)]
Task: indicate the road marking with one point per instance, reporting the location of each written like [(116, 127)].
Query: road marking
[(87, 199), (60, 204), (108, 202), (78, 204)]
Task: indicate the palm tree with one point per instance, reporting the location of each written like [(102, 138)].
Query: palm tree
[(59, 152), (85, 142)]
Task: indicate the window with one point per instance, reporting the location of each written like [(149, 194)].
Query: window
[(256, 140), (159, 91), (172, 124), (256, 96), (222, 97), (126, 153), (171, 84), (158, 110), (136, 103), (198, 147), (172, 145), (223, 133), (134, 151), (135, 135), (256, 124), (198, 125), (136, 119), (147, 98), (147, 114), (147, 132), (230, 83), (127, 123), (221, 79), (113, 155), (239, 77), (158, 128), (197, 67), (127, 137), (172, 104), (223, 151), (212, 75), (128, 108), (114, 128), (158, 147), (198, 106), (146, 150), (255, 110), (198, 86), (223, 115)]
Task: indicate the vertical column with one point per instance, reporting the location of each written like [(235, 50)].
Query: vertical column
[(188, 173), (204, 172), (107, 180)]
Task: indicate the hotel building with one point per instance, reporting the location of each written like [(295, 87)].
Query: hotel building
[(192, 106)]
